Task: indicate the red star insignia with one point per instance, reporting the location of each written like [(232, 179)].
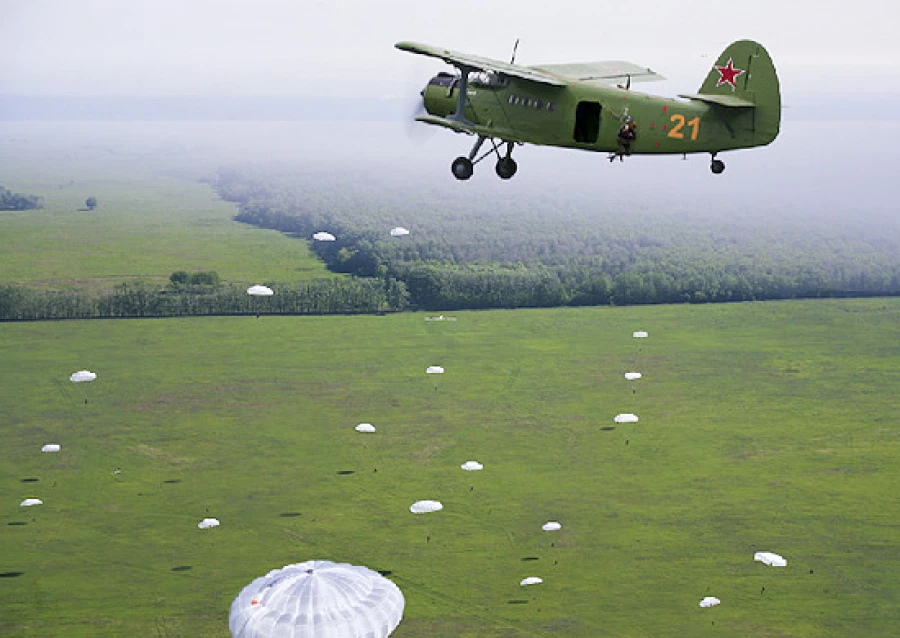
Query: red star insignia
[(727, 74)]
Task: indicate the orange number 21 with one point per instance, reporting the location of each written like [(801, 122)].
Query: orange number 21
[(678, 124)]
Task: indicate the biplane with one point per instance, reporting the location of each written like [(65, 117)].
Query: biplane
[(591, 106)]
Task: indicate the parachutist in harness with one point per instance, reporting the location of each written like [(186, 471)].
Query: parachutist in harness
[(625, 137)]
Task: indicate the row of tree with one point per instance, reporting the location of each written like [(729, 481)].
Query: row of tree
[(440, 287), (312, 297)]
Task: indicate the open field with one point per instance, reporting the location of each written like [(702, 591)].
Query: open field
[(154, 215), (765, 426)]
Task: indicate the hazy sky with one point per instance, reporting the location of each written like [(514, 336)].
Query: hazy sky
[(345, 47)]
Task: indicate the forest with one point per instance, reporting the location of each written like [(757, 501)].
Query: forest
[(522, 247), (547, 249)]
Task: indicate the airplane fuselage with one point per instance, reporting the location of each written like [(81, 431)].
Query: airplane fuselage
[(588, 116)]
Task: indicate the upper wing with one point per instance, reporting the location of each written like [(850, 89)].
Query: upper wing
[(482, 64), (553, 74), (609, 72)]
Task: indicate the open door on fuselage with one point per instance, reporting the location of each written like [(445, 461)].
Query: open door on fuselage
[(587, 122)]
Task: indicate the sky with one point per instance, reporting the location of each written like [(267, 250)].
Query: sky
[(344, 48), (837, 62)]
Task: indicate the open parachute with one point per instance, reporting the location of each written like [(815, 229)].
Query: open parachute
[(317, 598)]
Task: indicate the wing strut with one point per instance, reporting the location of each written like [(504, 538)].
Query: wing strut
[(460, 114)]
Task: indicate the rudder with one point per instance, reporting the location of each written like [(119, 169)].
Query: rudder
[(746, 71)]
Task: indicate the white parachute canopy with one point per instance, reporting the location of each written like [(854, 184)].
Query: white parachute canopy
[(434, 370), (551, 526), (321, 236), (206, 523), (639, 334), (531, 580), (423, 507), (710, 601), (626, 418), (260, 291), (82, 375), (29, 502), (365, 427), (399, 231), (50, 447), (631, 376), (472, 466), (315, 599), (773, 560)]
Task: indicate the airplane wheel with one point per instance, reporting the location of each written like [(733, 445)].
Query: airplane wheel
[(717, 166), (506, 167), (462, 168)]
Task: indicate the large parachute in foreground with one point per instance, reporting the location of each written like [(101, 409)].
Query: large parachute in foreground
[(317, 599)]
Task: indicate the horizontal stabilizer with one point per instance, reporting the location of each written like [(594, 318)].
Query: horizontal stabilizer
[(722, 100)]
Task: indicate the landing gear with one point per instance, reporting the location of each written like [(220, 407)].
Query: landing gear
[(463, 167), (716, 166), (506, 167)]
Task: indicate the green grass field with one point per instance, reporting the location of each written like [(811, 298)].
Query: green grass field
[(154, 217), (764, 426)]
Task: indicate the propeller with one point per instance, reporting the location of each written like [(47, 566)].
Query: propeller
[(416, 131), (414, 106)]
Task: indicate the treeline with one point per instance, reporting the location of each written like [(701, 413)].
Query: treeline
[(18, 201), (543, 250), (312, 297)]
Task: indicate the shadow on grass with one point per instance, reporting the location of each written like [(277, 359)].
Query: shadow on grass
[(516, 602), (290, 514), (608, 428), (17, 523), (182, 568), (346, 472), (29, 480), (170, 481), (11, 574), (529, 558)]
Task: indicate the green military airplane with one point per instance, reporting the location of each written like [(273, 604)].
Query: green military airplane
[(592, 107)]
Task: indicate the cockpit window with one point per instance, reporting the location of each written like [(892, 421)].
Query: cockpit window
[(489, 79), (443, 79)]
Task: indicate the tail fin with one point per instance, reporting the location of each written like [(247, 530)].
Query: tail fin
[(745, 71)]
